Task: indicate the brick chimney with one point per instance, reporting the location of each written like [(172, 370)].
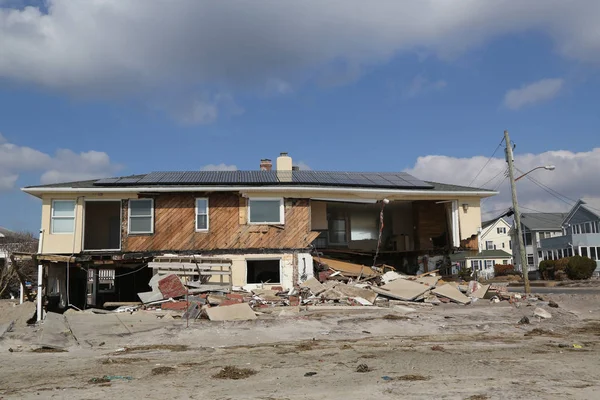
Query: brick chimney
[(266, 164)]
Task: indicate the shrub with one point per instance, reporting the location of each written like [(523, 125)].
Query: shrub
[(547, 269), (465, 273), (561, 264), (580, 267), (504, 269)]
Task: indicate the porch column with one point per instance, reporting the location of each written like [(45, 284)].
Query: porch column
[(39, 292), (455, 225)]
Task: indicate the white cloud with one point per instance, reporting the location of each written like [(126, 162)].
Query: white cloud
[(276, 87), (576, 175), (139, 47), (218, 167), (7, 182), (205, 110), (64, 165), (422, 85), (532, 93)]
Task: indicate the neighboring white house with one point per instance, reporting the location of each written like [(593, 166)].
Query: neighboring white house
[(535, 227), (482, 263), (495, 235)]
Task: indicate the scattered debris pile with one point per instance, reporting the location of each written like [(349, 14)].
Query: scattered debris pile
[(192, 288)]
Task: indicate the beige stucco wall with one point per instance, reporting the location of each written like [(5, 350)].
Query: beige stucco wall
[(72, 242), (469, 221)]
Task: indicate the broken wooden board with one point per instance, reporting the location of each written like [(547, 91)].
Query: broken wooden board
[(402, 289), (234, 312), (429, 280), (452, 293), (353, 291), (348, 269), (314, 286), (481, 292)]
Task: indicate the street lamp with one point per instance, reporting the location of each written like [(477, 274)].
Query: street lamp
[(548, 167)]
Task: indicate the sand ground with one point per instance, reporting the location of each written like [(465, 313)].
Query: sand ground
[(446, 352)]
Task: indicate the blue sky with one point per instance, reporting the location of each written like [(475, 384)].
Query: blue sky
[(83, 94)]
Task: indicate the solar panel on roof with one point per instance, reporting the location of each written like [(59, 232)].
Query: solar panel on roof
[(106, 181), (326, 178)]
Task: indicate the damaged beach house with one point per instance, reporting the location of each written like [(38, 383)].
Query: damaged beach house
[(110, 242)]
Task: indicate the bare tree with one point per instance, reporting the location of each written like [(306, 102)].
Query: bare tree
[(18, 242)]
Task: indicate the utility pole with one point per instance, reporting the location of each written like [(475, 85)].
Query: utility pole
[(517, 215)]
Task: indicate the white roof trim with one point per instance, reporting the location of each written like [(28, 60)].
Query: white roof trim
[(175, 189)]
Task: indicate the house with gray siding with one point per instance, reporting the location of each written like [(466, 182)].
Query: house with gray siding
[(581, 234), (535, 227)]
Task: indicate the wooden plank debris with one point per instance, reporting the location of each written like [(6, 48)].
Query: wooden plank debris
[(348, 269)]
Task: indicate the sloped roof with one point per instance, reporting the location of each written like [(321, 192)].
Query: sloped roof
[(6, 232), (383, 180), (592, 205), (543, 221)]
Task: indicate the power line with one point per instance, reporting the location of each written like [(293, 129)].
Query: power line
[(488, 161), (495, 176), (551, 191)]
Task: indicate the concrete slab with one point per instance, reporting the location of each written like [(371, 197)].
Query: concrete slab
[(429, 280), (314, 286), (481, 292), (54, 332), (149, 297), (402, 289), (353, 291), (452, 293), (234, 312)]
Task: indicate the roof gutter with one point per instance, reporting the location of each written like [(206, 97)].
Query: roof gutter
[(174, 189)]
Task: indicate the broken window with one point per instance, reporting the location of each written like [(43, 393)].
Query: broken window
[(106, 280), (337, 231), (63, 216), (141, 216), (364, 226), (265, 211), (202, 214), (262, 271)]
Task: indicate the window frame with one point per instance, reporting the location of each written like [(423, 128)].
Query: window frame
[(489, 245), (488, 264), (501, 230), (53, 217), (281, 210), (207, 215), (129, 216)]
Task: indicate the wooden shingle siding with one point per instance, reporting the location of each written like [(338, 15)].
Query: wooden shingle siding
[(174, 226)]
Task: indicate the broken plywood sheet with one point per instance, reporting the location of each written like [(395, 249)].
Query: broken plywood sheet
[(451, 293), (348, 269), (353, 291), (234, 312), (149, 297), (314, 286), (481, 292), (429, 280), (402, 289)]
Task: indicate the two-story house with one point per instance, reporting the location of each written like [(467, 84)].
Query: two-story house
[(581, 234), (495, 235), (535, 227), (267, 222)]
